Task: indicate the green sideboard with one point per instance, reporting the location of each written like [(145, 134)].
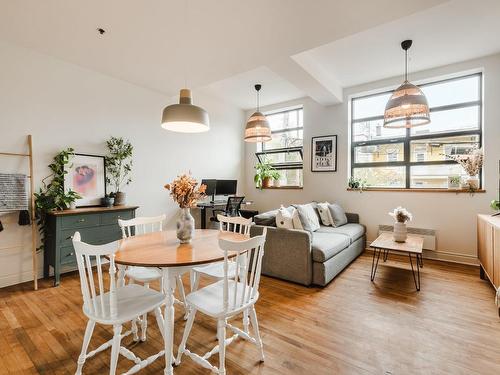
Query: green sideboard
[(97, 226)]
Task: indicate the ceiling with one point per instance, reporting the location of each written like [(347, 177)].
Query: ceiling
[(294, 48)]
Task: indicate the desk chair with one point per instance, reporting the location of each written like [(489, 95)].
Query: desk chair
[(233, 207)]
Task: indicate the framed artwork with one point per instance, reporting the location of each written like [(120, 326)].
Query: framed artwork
[(324, 154), (86, 175)]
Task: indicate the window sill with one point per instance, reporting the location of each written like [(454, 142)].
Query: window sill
[(423, 190), (282, 187)]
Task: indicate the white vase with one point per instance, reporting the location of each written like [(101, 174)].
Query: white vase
[(185, 226), (400, 232), (472, 182)]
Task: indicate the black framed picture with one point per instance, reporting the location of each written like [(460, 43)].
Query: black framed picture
[(324, 154), (86, 175)]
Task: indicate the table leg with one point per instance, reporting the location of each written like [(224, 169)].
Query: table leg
[(415, 279), (168, 325), (386, 254), (421, 261), (203, 214), (375, 264)]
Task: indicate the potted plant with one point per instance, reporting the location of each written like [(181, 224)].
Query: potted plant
[(496, 206), (118, 166), (51, 196), (185, 192), (472, 164), (356, 184), (276, 175), (265, 173), (401, 217), (454, 182)]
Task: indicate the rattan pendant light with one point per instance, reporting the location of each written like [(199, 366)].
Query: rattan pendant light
[(407, 106), (257, 129)]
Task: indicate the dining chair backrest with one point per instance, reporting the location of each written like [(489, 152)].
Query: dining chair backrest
[(245, 281), (141, 225), (236, 224), (94, 299)]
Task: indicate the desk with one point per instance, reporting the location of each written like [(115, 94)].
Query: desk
[(163, 250), (203, 208)]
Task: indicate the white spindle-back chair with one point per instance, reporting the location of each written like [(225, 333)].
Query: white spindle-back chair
[(138, 226), (232, 295), (111, 307)]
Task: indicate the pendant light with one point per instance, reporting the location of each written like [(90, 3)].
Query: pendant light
[(407, 106), (257, 129), (185, 117)]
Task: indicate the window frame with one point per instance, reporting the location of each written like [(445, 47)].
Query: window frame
[(300, 149), (408, 137)]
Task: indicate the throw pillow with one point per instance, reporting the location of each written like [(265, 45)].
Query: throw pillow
[(339, 217), (284, 218), (296, 220), (324, 213), (308, 217)]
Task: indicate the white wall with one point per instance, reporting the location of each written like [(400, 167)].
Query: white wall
[(64, 105), (452, 215)]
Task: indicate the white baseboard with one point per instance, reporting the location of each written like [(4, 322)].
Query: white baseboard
[(18, 278)]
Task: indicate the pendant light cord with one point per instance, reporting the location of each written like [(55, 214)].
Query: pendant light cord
[(406, 65), (258, 101), (186, 10)]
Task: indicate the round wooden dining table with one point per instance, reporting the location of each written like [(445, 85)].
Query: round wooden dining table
[(163, 250)]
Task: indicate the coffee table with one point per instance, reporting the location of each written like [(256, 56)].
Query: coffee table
[(413, 246)]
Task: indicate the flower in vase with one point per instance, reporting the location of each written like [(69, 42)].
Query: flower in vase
[(185, 191), (401, 215)]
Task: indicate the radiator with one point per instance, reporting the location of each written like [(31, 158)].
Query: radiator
[(429, 235)]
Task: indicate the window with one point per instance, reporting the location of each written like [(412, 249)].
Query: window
[(415, 158), (285, 150)]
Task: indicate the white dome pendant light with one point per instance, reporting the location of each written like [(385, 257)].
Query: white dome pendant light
[(407, 106), (185, 117), (257, 129)]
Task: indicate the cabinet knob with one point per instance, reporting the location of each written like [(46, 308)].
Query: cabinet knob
[(119, 216), (71, 254), (81, 220)]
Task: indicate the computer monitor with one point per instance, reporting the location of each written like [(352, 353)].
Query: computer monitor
[(210, 183), (226, 187)]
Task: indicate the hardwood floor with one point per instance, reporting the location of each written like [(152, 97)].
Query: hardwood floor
[(352, 326)]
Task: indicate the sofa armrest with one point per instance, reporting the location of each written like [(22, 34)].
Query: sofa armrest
[(352, 218), (287, 254)]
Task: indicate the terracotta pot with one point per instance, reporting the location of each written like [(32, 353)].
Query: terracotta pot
[(266, 182), (119, 198)]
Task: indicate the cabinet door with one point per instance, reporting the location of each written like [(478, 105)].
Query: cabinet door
[(496, 256), (485, 246)]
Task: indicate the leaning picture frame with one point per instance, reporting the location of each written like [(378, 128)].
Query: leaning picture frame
[(324, 153), (86, 175)]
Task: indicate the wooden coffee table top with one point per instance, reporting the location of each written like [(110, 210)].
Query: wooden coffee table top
[(413, 243)]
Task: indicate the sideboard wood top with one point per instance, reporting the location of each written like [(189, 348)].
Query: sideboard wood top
[(88, 210), (495, 220)]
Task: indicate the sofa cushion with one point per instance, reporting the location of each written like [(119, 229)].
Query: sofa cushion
[(353, 231), (338, 215), (284, 217), (267, 219), (308, 216), (327, 245)]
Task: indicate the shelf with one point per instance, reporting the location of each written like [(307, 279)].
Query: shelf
[(283, 188), (455, 191)]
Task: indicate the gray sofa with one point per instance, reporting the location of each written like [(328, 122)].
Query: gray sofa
[(309, 258)]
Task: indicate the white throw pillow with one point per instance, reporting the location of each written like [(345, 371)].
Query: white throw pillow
[(296, 220), (308, 217), (284, 218), (324, 213)]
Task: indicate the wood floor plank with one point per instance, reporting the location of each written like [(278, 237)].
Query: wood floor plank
[(352, 326)]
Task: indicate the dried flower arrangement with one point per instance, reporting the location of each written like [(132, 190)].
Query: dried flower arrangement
[(471, 163), (401, 215), (185, 192)]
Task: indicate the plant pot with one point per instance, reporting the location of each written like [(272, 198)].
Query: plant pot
[(185, 226), (472, 182), (119, 198), (276, 183), (266, 182), (453, 184), (400, 232), (72, 206), (108, 202)]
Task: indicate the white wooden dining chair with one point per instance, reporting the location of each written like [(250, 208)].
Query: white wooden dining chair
[(227, 298), (235, 224), (114, 307), (145, 275)]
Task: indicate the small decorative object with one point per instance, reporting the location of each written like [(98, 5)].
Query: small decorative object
[(356, 184), (72, 206), (472, 164), (407, 106), (276, 182), (86, 175), (454, 182), (185, 192), (401, 217), (265, 174), (119, 166), (108, 201), (496, 206), (324, 154)]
